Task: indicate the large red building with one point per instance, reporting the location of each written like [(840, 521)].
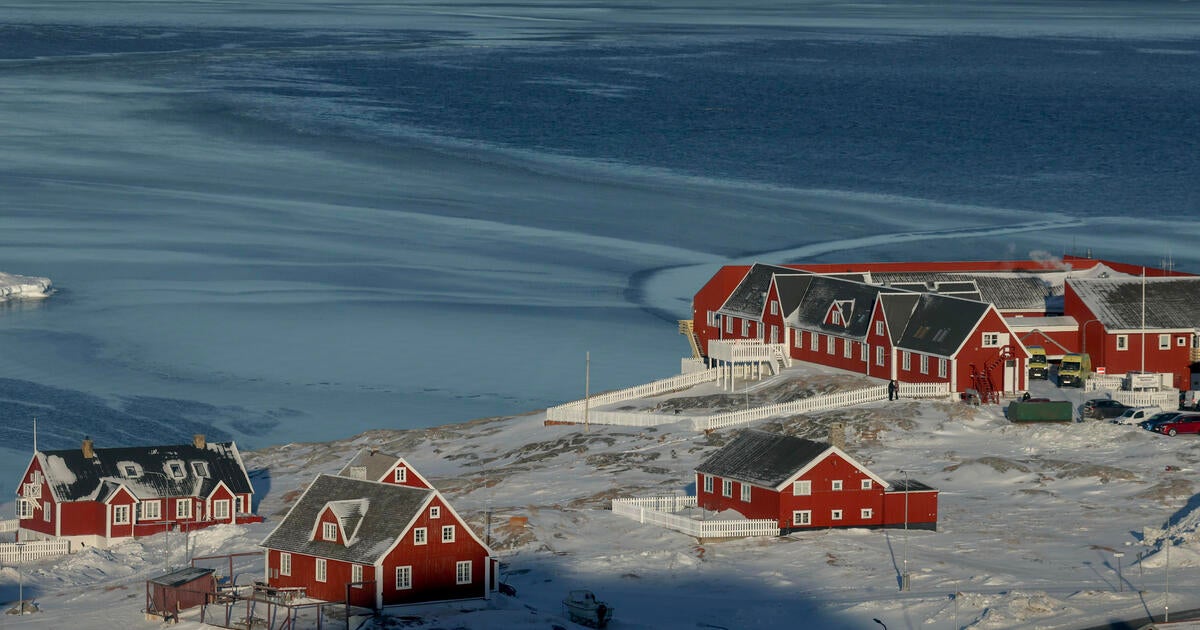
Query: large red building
[(803, 484), (380, 534), (93, 496)]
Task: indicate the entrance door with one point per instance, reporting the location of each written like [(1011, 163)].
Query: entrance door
[(1010, 375)]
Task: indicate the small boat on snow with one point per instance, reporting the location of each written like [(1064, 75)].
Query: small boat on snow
[(583, 607)]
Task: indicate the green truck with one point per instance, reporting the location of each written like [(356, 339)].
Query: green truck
[(1039, 367), (1074, 370), (1040, 410)]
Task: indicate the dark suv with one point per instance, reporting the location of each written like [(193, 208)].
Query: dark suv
[(1102, 409)]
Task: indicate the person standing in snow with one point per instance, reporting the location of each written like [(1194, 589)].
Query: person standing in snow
[(893, 390)]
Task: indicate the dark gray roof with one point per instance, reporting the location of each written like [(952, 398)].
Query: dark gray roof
[(761, 458), (1007, 291), (748, 298), (900, 485), (72, 477), (940, 324), (791, 291), (179, 577), (822, 292), (375, 463), (389, 509), (1172, 303), (897, 310)]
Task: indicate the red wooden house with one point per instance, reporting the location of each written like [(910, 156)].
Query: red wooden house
[(373, 465), (803, 484), (378, 543), (93, 496)]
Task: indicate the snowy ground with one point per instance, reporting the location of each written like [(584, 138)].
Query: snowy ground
[(1030, 519)]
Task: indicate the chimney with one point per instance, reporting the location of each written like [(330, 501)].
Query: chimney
[(88, 451), (837, 435), (198, 440)]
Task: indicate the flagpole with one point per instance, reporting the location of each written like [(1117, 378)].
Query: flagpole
[(1143, 368)]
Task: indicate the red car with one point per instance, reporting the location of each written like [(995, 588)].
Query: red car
[(1181, 424)]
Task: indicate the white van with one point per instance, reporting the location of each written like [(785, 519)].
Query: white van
[(1136, 414)]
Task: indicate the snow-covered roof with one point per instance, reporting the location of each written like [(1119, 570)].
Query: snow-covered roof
[(748, 298), (1170, 303), (761, 458), (149, 472), (939, 324), (1007, 291)]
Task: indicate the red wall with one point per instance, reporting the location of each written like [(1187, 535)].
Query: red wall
[(38, 523), (433, 564), (1102, 346), (411, 478), (333, 589), (710, 297), (922, 508), (973, 352)]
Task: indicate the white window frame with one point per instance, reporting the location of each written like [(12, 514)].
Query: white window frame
[(183, 509), (200, 469), (814, 341), (120, 514), (462, 572), (32, 491), (991, 340), (879, 355), (864, 353), (400, 475), (285, 563), (729, 325), (847, 348), (802, 488), (1164, 342), (879, 328), (220, 509), (865, 484), (447, 533), (774, 307), (150, 511), (835, 485), (745, 328), (239, 504), (435, 511), (176, 469), (47, 513), (942, 363), (1181, 341), (356, 575), (420, 536), (24, 509), (830, 345), (906, 360), (866, 513), (713, 319), (797, 339), (726, 488), (403, 578), (320, 570), (802, 517), (329, 532), (708, 484), (746, 492), (835, 515), (924, 363), (1122, 342)]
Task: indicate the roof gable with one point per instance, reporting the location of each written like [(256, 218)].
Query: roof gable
[(749, 298), (374, 465), (940, 325), (837, 306)]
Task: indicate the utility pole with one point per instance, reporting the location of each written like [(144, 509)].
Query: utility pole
[(904, 577), (587, 386)]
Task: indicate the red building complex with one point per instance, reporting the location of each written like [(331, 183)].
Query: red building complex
[(93, 496), (804, 484), (966, 324), (380, 537)]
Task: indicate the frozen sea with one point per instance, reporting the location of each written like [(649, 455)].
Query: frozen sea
[(288, 221)]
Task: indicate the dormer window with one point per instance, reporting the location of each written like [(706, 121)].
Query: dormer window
[(401, 475), (130, 470), (175, 469), (329, 532), (200, 469)]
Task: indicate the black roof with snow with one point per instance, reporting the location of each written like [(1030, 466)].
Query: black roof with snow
[(761, 458), (1171, 303), (748, 298), (179, 577), (1007, 292), (376, 464), (375, 514), (910, 485), (939, 324), (150, 472), (857, 300), (897, 310)]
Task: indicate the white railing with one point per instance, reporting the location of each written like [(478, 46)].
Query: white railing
[(1168, 400), (9, 525), (637, 509), (16, 553), (744, 350), (924, 390), (1096, 382), (574, 411)]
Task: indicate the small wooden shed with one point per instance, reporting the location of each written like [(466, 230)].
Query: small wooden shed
[(178, 590)]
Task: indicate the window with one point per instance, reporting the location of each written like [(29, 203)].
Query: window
[(835, 515), (1164, 342), (745, 328), (802, 517), (403, 578), (879, 328), (942, 367), (150, 510), (24, 508), (801, 488), (726, 488), (866, 513), (320, 569), (879, 355), (435, 512), (447, 533), (835, 485), (356, 574), (175, 469), (46, 512), (32, 491), (1181, 341), (183, 509), (746, 492), (864, 355), (906, 360), (200, 469), (924, 364), (729, 324), (774, 307), (400, 475), (714, 319), (991, 340), (814, 341), (130, 470), (329, 531), (798, 339), (220, 509), (420, 536), (708, 485), (847, 348), (1122, 342), (239, 504), (120, 515), (462, 572), (285, 564), (830, 344), (865, 484)]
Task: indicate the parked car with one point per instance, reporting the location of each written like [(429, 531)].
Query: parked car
[(1102, 408), (1183, 423), (1135, 415), (1157, 419)]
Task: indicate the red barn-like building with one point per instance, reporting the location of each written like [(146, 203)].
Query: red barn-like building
[(803, 484), (93, 496), (405, 542)]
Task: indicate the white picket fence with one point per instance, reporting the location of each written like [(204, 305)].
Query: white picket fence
[(1167, 398), (17, 553), (573, 412), (9, 525), (652, 510)]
